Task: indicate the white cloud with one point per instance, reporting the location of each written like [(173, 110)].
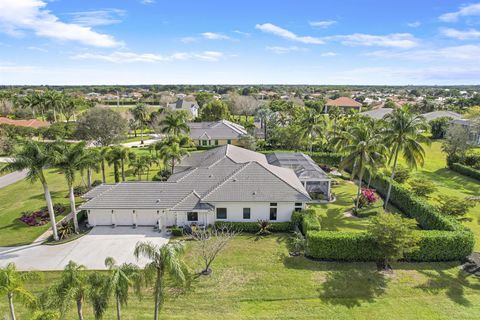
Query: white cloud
[(278, 31), (214, 36), (97, 17), (188, 39), (132, 57), (328, 54), (414, 24), (395, 40), (465, 52), (246, 34), (18, 16), (147, 1), (282, 50), (464, 11), (322, 24), (461, 35), (33, 48)]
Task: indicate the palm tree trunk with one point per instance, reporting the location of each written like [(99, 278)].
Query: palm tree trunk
[(141, 135), (123, 170), (359, 190), (387, 198), (80, 309), (10, 304), (103, 171), (115, 172), (51, 213), (55, 114), (158, 294), (119, 315), (89, 178), (173, 164), (73, 209), (369, 180)]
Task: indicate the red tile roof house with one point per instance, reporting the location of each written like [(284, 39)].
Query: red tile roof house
[(344, 103), (32, 123)]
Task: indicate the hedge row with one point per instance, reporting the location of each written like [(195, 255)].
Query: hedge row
[(310, 221), (466, 170), (442, 239), (253, 227)]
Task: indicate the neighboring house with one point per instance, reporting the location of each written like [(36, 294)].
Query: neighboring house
[(343, 103), (472, 128), (216, 133), (190, 106), (377, 113), (32, 123), (441, 114), (227, 183)]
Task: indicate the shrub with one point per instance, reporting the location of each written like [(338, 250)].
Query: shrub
[(402, 174), (177, 231), (310, 221), (472, 160), (438, 127), (253, 227), (96, 183), (466, 171), (79, 190), (454, 206), (422, 187)]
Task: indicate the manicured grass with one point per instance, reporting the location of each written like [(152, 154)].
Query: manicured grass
[(25, 196), (257, 279), (451, 183)]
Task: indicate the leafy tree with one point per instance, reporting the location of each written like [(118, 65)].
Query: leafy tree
[(248, 142), (175, 123), (394, 236), (404, 134), (203, 98), (456, 143), (12, 284), (34, 157), (312, 125), (102, 126), (163, 258), (215, 110), (121, 278), (140, 114), (454, 206), (70, 158), (422, 187), (438, 127)]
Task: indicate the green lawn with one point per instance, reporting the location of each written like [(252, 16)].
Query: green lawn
[(24, 196), (257, 279), (451, 183), (1, 166)]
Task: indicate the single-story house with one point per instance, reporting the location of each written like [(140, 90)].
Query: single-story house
[(227, 183), (441, 114), (190, 106), (216, 133), (344, 103), (377, 114), (32, 123)]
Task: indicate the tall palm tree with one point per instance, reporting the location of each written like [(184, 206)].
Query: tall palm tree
[(30, 101), (121, 278), (364, 149), (174, 124), (70, 158), (163, 258), (114, 157), (34, 157), (103, 156), (53, 101), (139, 166), (125, 155), (91, 162), (404, 134), (173, 152), (12, 284), (312, 125), (140, 113), (73, 285)]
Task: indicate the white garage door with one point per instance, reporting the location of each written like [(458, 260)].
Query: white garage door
[(124, 218), (100, 218), (147, 217)]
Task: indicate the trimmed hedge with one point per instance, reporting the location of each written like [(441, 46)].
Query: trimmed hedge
[(443, 238), (466, 170), (253, 227), (310, 221)]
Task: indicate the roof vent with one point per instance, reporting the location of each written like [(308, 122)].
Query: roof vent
[(210, 176), (234, 179), (254, 192), (158, 201)]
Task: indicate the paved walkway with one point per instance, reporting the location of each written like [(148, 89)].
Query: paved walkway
[(90, 250), (156, 138), (13, 177)]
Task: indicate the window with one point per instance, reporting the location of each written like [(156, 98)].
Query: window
[(246, 213), (221, 213), (229, 141), (273, 204), (298, 209), (298, 204), (216, 142), (204, 142), (192, 216), (273, 213)]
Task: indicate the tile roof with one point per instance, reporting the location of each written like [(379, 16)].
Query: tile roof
[(439, 114), (222, 129), (183, 105), (377, 113), (344, 102)]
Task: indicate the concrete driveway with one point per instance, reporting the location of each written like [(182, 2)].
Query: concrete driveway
[(90, 250)]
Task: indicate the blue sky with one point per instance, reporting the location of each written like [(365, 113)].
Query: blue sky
[(239, 42)]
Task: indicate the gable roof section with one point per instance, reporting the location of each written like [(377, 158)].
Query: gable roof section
[(440, 114), (344, 102), (377, 113), (222, 129)]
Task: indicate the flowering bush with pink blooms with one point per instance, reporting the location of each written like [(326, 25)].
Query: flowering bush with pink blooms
[(40, 217), (369, 195)]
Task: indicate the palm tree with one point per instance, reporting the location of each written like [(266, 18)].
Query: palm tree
[(91, 162), (173, 152), (73, 285), (11, 284), (53, 101), (103, 155), (139, 165), (163, 258), (125, 155), (404, 134), (114, 157), (312, 124), (174, 124), (30, 101), (34, 157), (363, 149), (140, 114), (121, 278), (70, 158)]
